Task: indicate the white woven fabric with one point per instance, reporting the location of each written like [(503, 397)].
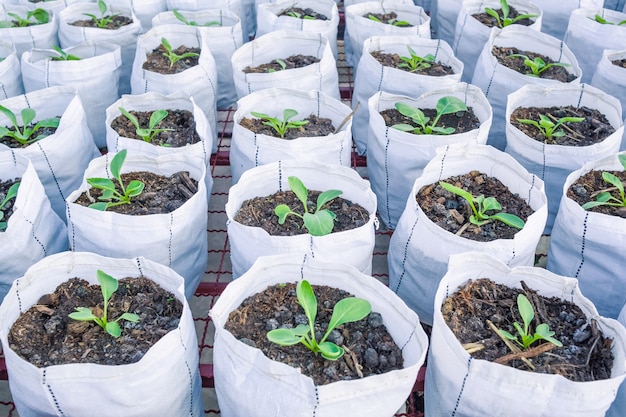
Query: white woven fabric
[(145, 10), (611, 78), (242, 8), (33, 36), (10, 74)]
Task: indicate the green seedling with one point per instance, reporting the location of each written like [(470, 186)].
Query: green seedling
[(300, 15), (548, 128), (182, 18), (602, 20), (542, 331), (392, 22), (347, 310), (173, 56), (12, 193), (103, 21), (63, 56), (416, 62), (40, 15), (506, 20), (25, 135), (281, 62), (111, 197), (281, 126), (108, 285), (605, 198), (537, 65), (481, 205), (445, 105), (147, 134), (319, 222)]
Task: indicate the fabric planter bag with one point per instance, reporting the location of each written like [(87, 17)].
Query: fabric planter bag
[(282, 44), (444, 14), (458, 384), (165, 381), (272, 388), (125, 36), (588, 39), (556, 14), (225, 38), (10, 74), (50, 5), (351, 246), (497, 81), (374, 77), (590, 246), (177, 239), (24, 38), (145, 10), (619, 405), (33, 231), (419, 249), (359, 28), (553, 163), (470, 35), (199, 81), (612, 78), (61, 158), (395, 159), (244, 9), (248, 149), (95, 76), (268, 19)]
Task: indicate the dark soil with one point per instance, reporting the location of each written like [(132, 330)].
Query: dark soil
[(436, 69), (116, 23), (491, 22), (181, 122), (594, 129), (303, 12), (463, 121), (588, 186), (12, 143), (9, 206), (373, 350), (619, 63), (259, 212), (452, 213), (45, 336), (317, 126), (294, 61), (160, 195), (585, 355), (517, 64), (156, 61), (388, 18)]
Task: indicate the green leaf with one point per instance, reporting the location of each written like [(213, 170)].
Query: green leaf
[(52, 122), (622, 159), (525, 310), (403, 127), (83, 314), (156, 117), (282, 211), (507, 335), (132, 317), (102, 7), (490, 203), (117, 162), (544, 332), (11, 193), (449, 105), (28, 115), (130, 117), (348, 310), (108, 285), (320, 223), (306, 298), (284, 337), (101, 183), (330, 351), (99, 206), (4, 132), (6, 24), (509, 219), (134, 188), (296, 185), (458, 191), (113, 328), (40, 15), (327, 196), (442, 130), (505, 8), (613, 180)]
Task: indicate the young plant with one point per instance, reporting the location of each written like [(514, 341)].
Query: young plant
[(542, 331), (347, 310), (506, 20), (281, 126), (103, 21), (110, 196), (416, 62), (549, 128), (182, 18), (12, 193), (602, 20), (41, 16), (108, 285), (445, 105), (300, 15), (392, 22), (25, 135), (173, 56), (537, 65), (481, 205), (318, 223), (147, 134), (606, 198), (63, 56), (281, 62)]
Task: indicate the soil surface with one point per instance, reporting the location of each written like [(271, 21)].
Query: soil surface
[(594, 129), (160, 195), (12, 143), (517, 64), (463, 121), (619, 63), (44, 335), (436, 69), (370, 348), (259, 212), (452, 213), (303, 12), (116, 23), (180, 122), (491, 22), (293, 61), (585, 355), (388, 18), (588, 186), (9, 206), (157, 62), (317, 126)]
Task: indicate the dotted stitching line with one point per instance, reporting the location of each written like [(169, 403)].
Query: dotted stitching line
[(69, 222), (169, 245), (54, 398), (17, 293), (532, 185), (311, 245), (543, 163), (317, 401), (445, 154), (493, 75), (580, 97), (189, 373), (4, 91), (302, 266), (582, 246), (139, 266), (387, 208), (280, 175), (256, 152), (406, 255), (318, 102), (54, 177), (45, 252), (458, 400)]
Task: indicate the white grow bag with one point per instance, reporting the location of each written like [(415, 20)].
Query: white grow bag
[(10, 74), (25, 38), (244, 9), (145, 10), (556, 14), (611, 78)]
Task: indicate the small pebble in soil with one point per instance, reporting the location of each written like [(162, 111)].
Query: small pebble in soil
[(568, 317), (452, 204), (581, 334), (371, 357), (375, 320), (271, 324), (248, 342), (335, 337), (300, 319), (382, 361), (330, 372), (53, 325), (579, 190)]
